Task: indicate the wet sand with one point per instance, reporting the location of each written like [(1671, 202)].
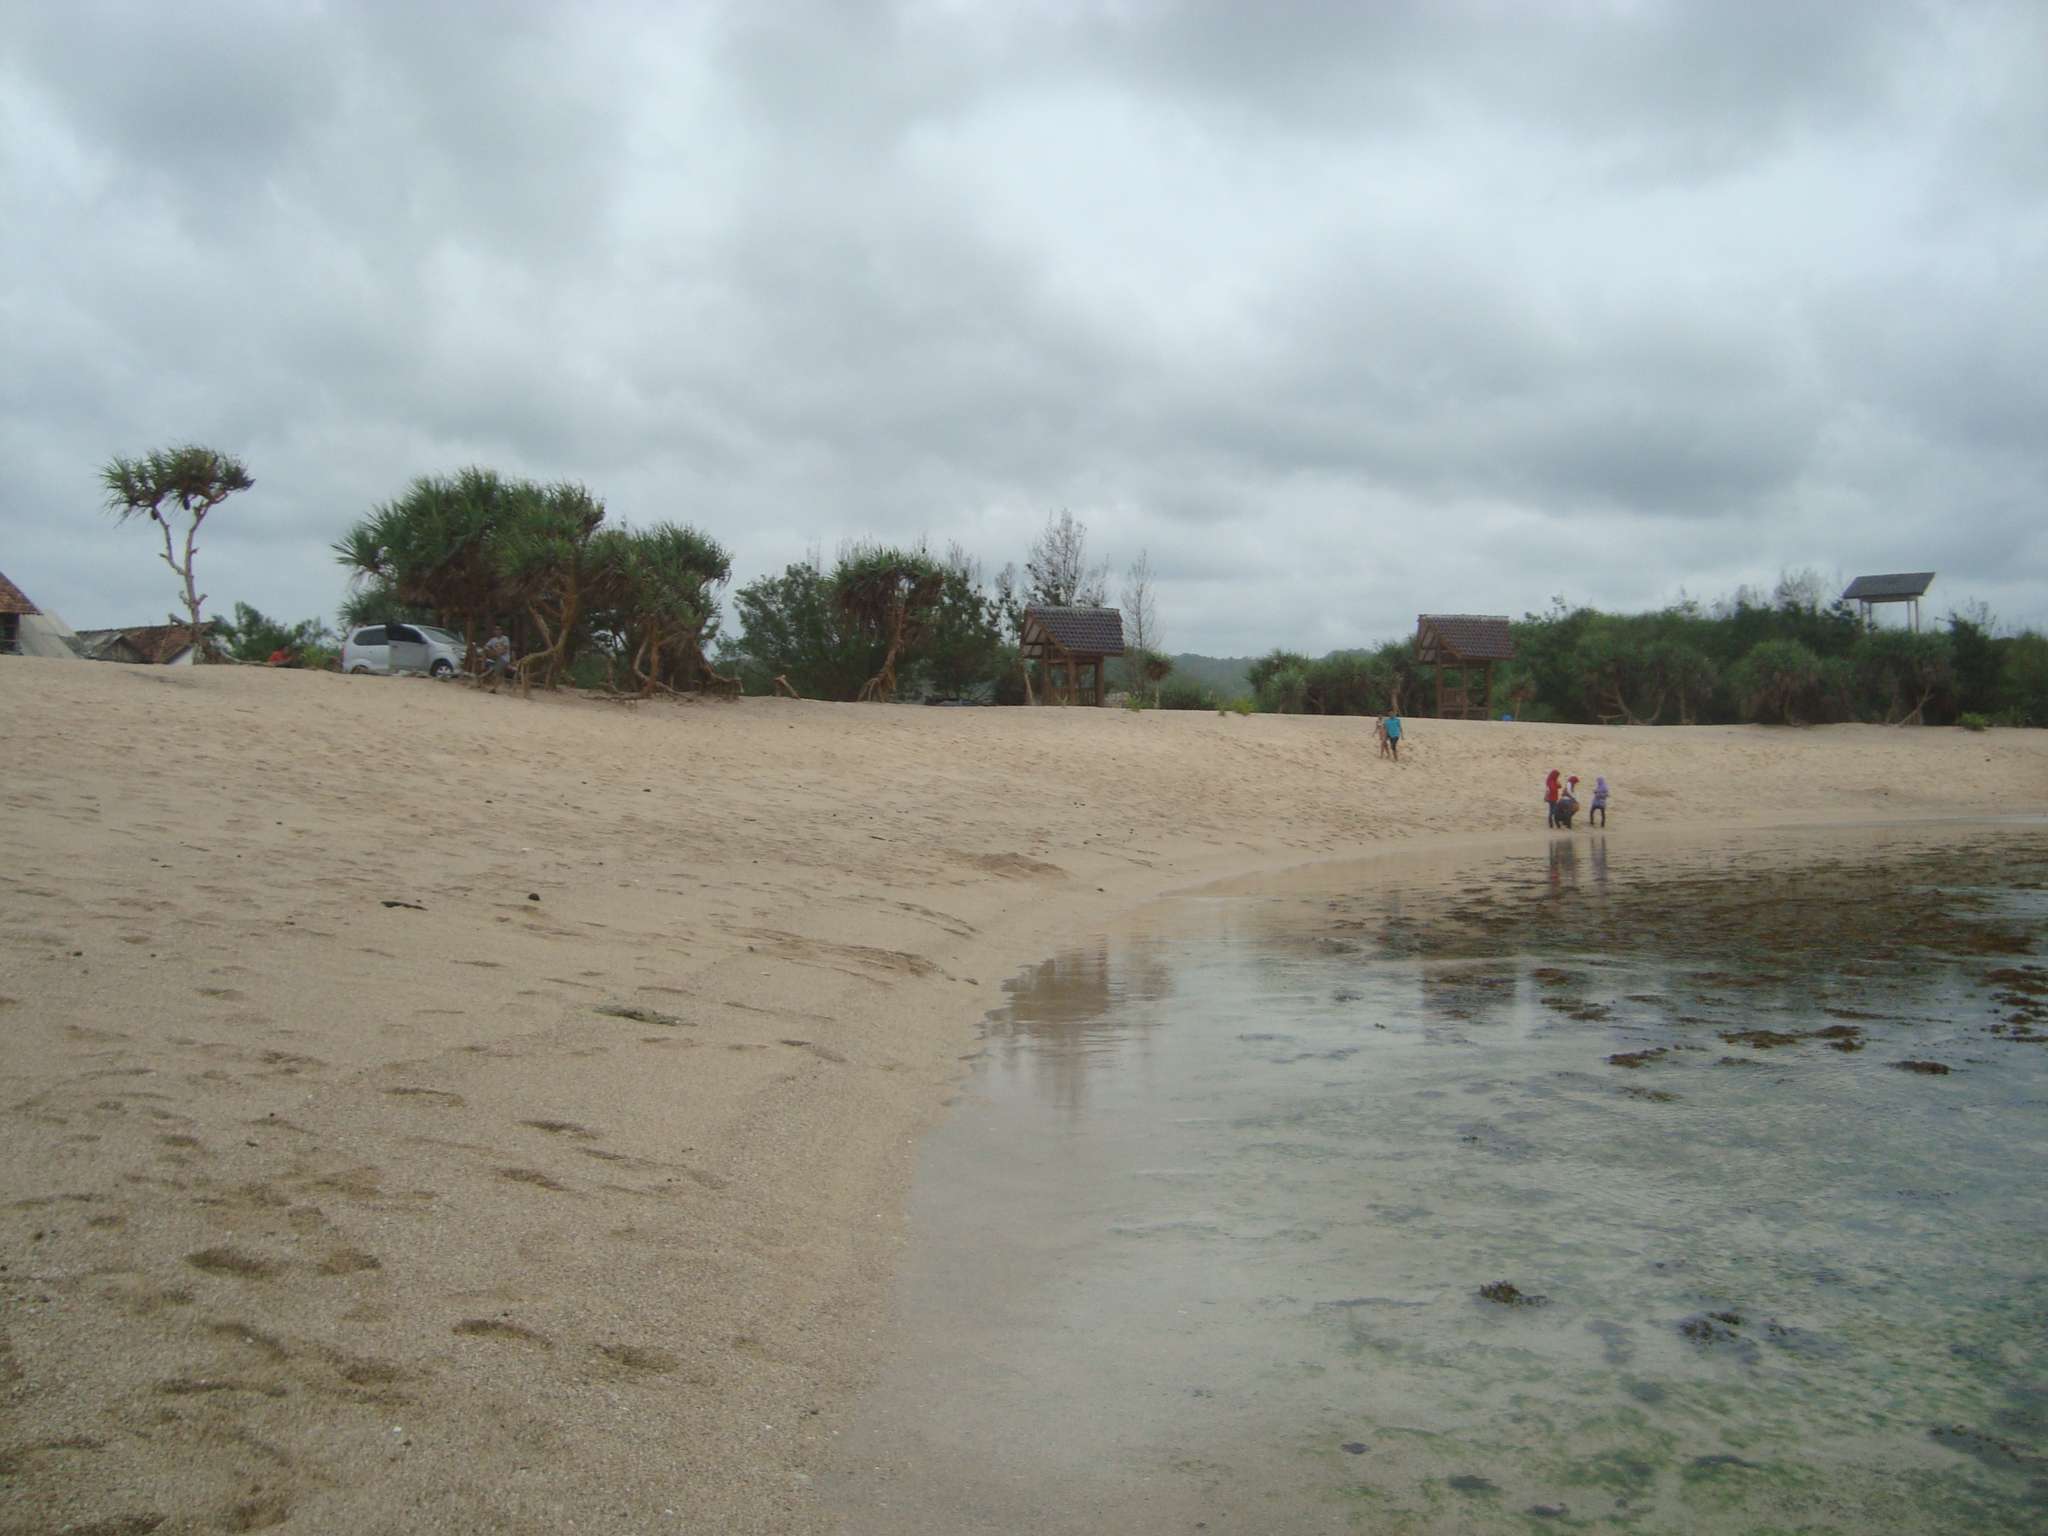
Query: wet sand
[(1580, 1186), (428, 1111)]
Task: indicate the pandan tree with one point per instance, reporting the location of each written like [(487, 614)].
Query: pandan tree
[(436, 550), (1686, 674), (1907, 670), (191, 479), (1779, 680), (548, 563), (655, 592), (889, 596)]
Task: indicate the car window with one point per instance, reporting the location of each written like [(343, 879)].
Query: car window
[(374, 636), (401, 635), (445, 637)]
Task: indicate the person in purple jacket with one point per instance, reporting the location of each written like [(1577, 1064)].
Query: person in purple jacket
[(1596, 813)]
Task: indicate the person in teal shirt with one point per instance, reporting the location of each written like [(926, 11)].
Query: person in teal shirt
[(1393, 728)]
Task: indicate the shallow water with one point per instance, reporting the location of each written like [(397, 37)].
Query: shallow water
[(1203, 1246)]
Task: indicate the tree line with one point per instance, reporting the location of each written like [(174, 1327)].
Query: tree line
[(1791, 656), (640, 609)]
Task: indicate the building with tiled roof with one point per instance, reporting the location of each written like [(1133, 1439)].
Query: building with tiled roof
[(1462, 648), (158, 645), (1068, 647)]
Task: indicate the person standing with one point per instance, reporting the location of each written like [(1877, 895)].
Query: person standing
[(1379, 732), (1391, 724), (1596, 814), (1550, 793)]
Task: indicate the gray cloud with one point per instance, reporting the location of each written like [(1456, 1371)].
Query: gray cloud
[(1342, 311)]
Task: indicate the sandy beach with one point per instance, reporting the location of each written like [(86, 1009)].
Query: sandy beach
[(436, 1111)]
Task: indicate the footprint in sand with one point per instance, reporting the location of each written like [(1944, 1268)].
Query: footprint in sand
[(640, 1360), (349, 1261), (567, 1128), (436, 1096), (532, 1176), (233, 1261), (492, 1328), (258, 1514)]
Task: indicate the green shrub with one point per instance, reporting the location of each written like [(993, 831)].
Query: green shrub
[(1973, 722), (592, 669), (1136, 702), (1241, 705), (1185, 693), (1781, 682)]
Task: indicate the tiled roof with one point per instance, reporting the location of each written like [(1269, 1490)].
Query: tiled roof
[(13, 599), (1900, 584), (1084, 631), (154, 643), (1463, 637)]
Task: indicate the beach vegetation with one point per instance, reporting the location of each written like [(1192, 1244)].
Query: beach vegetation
[(1779, 683), (433, 555), (1057, 570), (175, 488), (376, 601), (476, 549), (790, 626), (654, 601), (1142, 671), (966, 650), (1185, 693), (887, 596), (1902, 671), (1973, 722), (1144, 668), (550, 558), (254, 636), (795, 626)]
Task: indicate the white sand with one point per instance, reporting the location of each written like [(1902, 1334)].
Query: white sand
[(365, 1219)]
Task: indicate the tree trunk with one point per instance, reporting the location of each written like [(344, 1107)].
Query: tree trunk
[(881, 688)]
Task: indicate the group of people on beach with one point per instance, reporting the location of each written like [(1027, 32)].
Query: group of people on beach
[(1561, 800)]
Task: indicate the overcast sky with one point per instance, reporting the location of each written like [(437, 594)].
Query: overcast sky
[(1343, 310)]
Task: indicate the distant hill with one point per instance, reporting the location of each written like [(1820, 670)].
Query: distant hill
[(1224, 674)]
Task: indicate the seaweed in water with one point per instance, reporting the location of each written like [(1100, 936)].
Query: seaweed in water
[(1506, 1295), (1761, 1039), (1929, 1068), (1713, 1329), (1637, 1058)]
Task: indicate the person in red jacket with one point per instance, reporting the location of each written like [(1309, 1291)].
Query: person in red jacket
[(1550, 791)]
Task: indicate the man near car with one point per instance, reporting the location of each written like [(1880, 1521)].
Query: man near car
[(497, 656)]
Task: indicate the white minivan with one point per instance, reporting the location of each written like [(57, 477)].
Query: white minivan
[(391, 648)]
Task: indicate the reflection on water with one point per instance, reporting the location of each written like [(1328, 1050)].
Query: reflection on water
[(1067, 1014), (1206, 1248)]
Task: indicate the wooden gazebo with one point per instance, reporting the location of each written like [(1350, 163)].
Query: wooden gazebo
[(1069, 645), (1458, 646), (1906, 587)]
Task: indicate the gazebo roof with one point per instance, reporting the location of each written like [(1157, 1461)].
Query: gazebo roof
[(13, 599), (1083, 631), (1455, 637), (1901, 586)]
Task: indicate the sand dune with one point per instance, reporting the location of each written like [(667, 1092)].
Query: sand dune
[(570, 1201)]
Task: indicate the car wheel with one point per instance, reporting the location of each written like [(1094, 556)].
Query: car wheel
[(443, 667), (359, 670)]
